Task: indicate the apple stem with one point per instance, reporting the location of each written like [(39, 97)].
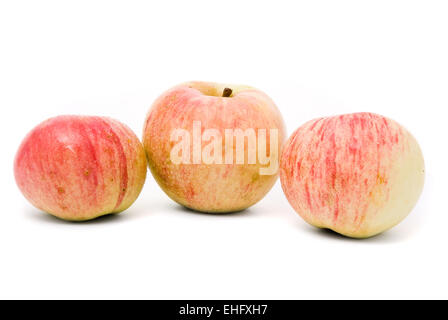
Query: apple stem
[(226, 92)]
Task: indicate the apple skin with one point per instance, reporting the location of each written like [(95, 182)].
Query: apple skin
[(80, 167), (356, 174), (213, 188)]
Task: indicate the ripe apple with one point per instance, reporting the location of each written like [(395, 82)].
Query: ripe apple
[(211, 172), (357, 174), (80, 167)]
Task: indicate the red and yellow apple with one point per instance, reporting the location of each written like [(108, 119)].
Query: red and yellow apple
[(357, 174), (80, 167), (210, 173)]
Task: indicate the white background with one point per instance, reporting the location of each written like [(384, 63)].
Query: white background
[(314, 58)]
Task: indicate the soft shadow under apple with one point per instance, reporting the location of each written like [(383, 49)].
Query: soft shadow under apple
[(240, 213), (390, 236), (48, 218)]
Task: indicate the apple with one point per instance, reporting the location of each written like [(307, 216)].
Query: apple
[(356, 174), (80, 167), (214, 147)]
